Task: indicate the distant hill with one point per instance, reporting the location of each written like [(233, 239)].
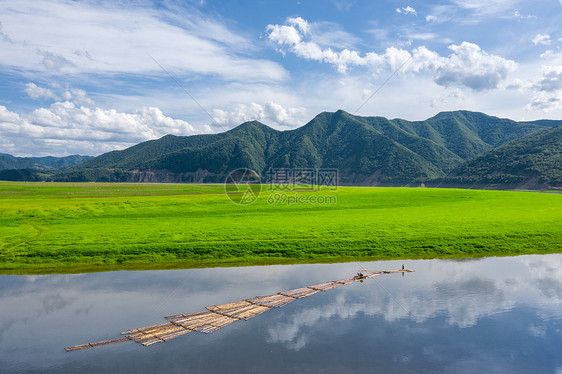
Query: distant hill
[(365, 150), (533, 161), (39, 163)]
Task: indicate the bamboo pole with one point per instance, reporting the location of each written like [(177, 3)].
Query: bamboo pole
[(219, 316)]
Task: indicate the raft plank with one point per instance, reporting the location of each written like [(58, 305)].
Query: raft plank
[(299, 293), (77, 347), (187, 315), (325, 286), (272, 301), (151, 341), (256, 311), (104, 342), (348, 280), (228, 306), (205, 322)]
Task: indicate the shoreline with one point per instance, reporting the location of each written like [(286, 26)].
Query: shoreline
[(183, 265)]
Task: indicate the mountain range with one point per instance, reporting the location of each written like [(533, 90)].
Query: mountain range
[(39, 163), (452, 148)]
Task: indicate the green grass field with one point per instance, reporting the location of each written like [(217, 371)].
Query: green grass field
[(60, 227)]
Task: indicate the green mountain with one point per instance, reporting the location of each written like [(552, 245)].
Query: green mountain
[(39, 163), (533, 161), (28, 175), (365, 150)]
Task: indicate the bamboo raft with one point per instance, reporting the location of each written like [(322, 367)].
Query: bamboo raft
[(219, 316)]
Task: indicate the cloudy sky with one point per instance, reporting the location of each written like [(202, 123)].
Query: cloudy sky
[(86, 77)]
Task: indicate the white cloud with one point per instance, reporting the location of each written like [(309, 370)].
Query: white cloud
[(110, 38), (301, 24), (544, 101), (517, 85), (518, 16), (296, 35), (406, 10), (422, 36), (486, 7), (78, 96), (537, 331), (425, 59), (328, 34), (284, 35), (7, 118), (551, 79), (64, 128), (271, 114), (35, 92), (469, 66), (470, 12), (292, 35), (54, 62), (442, 13), (543, 39), (547, 90)]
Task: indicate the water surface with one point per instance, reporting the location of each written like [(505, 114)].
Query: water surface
[(495, 315)]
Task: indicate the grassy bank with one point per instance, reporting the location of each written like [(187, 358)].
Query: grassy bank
[(94, 226)]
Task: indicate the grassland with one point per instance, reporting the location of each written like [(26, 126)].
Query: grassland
[(58, 227)]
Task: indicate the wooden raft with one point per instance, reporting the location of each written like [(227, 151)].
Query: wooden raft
[(219, 316)]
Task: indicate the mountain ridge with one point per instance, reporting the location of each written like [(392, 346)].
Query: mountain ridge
[(365, 150), (8, 161)]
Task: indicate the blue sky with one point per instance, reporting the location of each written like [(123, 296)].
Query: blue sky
[(87, 77)]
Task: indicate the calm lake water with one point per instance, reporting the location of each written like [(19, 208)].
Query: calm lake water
[(494, 315)]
